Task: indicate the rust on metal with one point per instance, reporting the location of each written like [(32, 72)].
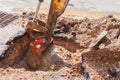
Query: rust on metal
[(6, 18)]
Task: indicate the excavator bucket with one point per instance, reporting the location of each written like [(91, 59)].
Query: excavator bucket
[(36, 27), (33, 25)]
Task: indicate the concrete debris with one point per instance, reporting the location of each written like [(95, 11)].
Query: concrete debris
[(98, 41), (72, 58)]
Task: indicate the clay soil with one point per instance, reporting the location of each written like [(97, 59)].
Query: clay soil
[(72, 57)]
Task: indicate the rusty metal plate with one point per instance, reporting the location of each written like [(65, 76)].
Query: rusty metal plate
[(6, 18)]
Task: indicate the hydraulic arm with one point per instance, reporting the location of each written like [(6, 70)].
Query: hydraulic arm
[(41, 42), (56, 9)]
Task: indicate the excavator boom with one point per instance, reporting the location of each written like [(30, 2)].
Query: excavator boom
[(56, 9)]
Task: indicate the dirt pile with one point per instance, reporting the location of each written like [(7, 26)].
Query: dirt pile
[(103, 64)]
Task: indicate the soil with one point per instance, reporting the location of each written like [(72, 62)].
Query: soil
[(71, 57)]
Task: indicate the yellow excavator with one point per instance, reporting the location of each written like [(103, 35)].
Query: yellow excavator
[(43, 40)]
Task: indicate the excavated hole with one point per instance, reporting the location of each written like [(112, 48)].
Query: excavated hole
[(63, 48), (62, 55)]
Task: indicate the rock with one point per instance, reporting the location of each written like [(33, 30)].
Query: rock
[(24, 13), (110, 16)]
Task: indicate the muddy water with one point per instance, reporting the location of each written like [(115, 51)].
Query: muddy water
[(111, 6)]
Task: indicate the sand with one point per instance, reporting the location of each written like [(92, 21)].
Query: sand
[(76, 14)]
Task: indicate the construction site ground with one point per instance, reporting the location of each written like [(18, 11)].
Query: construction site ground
[(84, 49)]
